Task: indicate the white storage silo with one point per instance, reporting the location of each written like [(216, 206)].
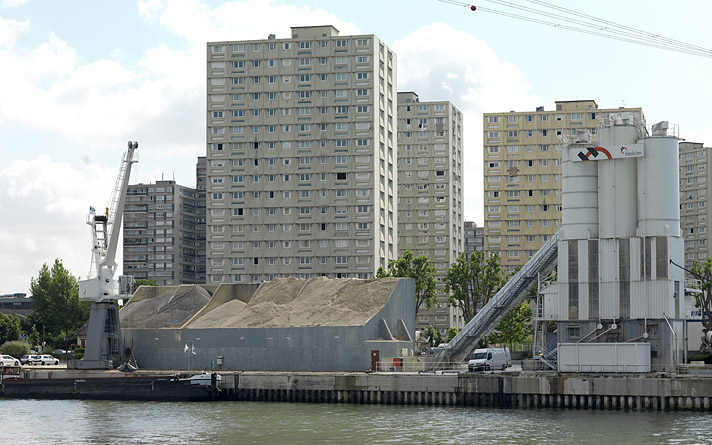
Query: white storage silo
[(617, 185), (579, 195), (659, 181)]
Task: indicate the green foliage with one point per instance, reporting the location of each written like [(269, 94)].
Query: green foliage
[(55, 302), (434, 337), (33, 336), (143, 282), (9, 328), (703, 272), (15, 348), (515, 326), (471, 282), (451, 333), (418, 268)]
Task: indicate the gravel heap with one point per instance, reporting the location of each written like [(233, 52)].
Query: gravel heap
[(292, 302), (171, 310)]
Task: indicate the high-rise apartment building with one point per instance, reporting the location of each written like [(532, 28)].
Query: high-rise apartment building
[(695, 177), (430, 193), (301, 156), (164, 232), (474, 237), (522, 173)]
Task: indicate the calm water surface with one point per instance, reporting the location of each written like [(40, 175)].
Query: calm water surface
[(26, 421)]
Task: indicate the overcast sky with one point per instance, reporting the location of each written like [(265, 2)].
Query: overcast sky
[(78, 79)]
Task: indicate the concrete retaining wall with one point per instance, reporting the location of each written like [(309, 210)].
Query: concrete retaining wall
[(636, 392)]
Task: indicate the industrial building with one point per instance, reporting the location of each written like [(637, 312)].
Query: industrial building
[(301, 157), (286, 324), (522, 175), (164, 231), (619, 250), (430, 194)]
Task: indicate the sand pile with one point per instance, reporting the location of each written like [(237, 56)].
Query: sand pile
[(291, 302), (171, 310)]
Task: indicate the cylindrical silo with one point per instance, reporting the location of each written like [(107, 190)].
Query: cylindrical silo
[(617, 185), (579, 195), (660, 212)]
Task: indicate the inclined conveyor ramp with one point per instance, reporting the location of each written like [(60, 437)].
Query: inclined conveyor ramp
[(510, 295)]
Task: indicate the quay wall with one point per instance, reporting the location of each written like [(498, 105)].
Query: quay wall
[(513, 390)]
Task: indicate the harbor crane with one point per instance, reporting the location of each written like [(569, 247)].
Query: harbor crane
[(103, 347)]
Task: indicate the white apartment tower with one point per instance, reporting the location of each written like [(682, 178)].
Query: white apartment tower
[(430, 193), (301, 156)]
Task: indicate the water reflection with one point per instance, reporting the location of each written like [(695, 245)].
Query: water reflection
[(99, 422)]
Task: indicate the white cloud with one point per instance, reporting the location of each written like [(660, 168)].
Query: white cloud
[(198, 23), (13, 3), (439, 62), (43, 205)]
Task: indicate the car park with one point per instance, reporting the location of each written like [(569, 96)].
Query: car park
[(8, 360), (43, 360)]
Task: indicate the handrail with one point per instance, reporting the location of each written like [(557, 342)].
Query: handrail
[(674, 335)]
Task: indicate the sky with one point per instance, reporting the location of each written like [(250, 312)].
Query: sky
[(79, 78)]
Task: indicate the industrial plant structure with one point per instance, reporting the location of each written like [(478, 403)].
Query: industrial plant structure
[(287, 324)]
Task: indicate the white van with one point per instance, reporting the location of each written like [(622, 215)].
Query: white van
[(489, 359)]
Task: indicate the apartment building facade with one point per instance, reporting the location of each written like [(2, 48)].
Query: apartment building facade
[(301, 156), (474, 237), (164, 233), (522, 173), (695, 215), (430, 203)]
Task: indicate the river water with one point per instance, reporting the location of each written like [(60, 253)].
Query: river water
[(89, 422)]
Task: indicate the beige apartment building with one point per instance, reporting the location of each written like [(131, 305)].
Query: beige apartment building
[(695, 215), (301, 152), (522, 173), (430, 193)]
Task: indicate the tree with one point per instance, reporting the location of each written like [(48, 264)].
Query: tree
[(515, 326), (418, 268), (451, 333), (703, 301), (55, 302), (9, 328), (15, 348), (471, 282), (434, 337)]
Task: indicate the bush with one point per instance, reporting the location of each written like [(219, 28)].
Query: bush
[(15, 348), (79, 353)]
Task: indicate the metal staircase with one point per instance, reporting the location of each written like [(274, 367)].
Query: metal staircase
[(550, 355), (509, 296)]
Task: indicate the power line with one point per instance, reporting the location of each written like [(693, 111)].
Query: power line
[(588, 24)]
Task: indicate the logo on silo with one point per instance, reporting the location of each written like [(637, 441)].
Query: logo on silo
[(602, 153), (586, 154)]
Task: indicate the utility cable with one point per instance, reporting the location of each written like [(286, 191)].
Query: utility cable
[(623, 34)]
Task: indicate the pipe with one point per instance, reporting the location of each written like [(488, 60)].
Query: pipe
[(609, 329), (584, 337), (674, 334)]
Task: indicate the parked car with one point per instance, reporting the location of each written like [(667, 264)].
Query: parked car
[(8, 360), (25, 358), (59, 352), (42, 360)]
